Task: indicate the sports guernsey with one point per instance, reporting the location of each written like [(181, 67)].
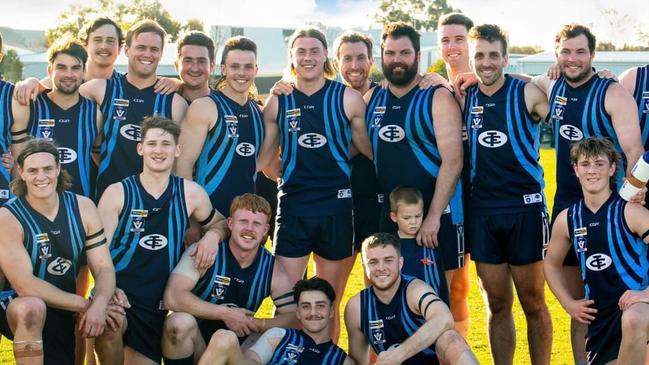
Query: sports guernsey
[(123, 108), (6, 120), (74, 131), (405, 149), (227, 283), (388, 325), (641, 96), (55, 249), (298, 348), (315, 138), (578, 113), (148, 240), (226, 167), (505, 172), (424, 263)]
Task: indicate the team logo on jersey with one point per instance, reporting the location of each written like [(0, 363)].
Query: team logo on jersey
[(121, 106), (59, 266), (427, 261), (344, 193), (392, 133), (221, 284), (476, 117), (232, 123), (137, 220), (376, 329), (67, 155), (379, 113), (560, 103), (153, 242), (645, 100), (598, 262), (293, 119), (312, 140), (44, 246), (492, 139), (380, 198), (532, 198), (571, 133), (131, 132), (4, 194), (292, 353), (245, 149), (46, 128), (580, 238)]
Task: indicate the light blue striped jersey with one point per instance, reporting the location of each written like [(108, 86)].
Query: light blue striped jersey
[(298, 348), (6, 121)]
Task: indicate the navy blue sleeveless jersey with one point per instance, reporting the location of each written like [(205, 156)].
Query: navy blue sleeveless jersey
[(226, 167), (405, 149), (148, 240), (424, 263), (54, 247), (123, 108), (315, 138), (363, 178), (578, 113), (612, 258), (504, 149), (227, 283), (74, 131), (6, 120), (388, 325), (641, 96), (298, 348)]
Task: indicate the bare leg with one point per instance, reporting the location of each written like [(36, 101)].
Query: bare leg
[(26, 317), (223, 349), (530, 287), (458, 285), (635, 331), (132, 357), (181, 337), (572, 274), (452, 349), (110, 347), (336, 273), (496, 282)]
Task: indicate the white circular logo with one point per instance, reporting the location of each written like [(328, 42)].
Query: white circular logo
[(391, 133), (570, 132), (153, 242), (245, 149), (312, 140), (67, 155), (598, 262), (492, 139), (131, 131), (59, 266)]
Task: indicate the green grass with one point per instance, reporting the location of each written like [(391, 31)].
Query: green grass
[(561, 352)]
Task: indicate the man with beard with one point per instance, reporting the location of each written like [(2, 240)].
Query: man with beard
[(310, 345), (400, 317), (227, 295), (63, 116), (6, 120), (417, 140), (582, 105), (126, 100), (315, 125), (509, 224)]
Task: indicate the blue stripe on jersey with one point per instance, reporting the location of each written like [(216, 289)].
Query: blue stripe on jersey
[(577, 221), (260, 282), (411, 323), (471, 102), (641, 95), (339, 140), (18, 208), (122, 251), (177, 222), (6, 121), (111, 130), (379, 98), (526, 135), (629, 252), (289, 140)]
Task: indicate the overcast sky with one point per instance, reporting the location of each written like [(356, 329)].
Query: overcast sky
[(529, 22)]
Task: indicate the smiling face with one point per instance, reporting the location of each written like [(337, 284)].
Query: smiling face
[(144, 53), (454, 48), (574, 58), (66, 73), (382, 265), (354, 63), (400, 62), (158, 150), (194, 66), (239, 70), (248, 229), (594, 173), (40, 172), (314, 311), (308, 56), (103, 46), (488, 60)]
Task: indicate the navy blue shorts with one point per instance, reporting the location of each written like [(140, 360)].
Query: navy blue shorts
[(367, 212), (571, 257), (604, 337), (58, 333), (144, 331), (516, 239), (330, 237), (450, 238)]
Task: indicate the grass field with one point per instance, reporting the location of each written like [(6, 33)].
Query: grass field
[(561, 352)]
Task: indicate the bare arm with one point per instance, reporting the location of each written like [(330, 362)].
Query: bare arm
[(262, 351), (109, 206), (536, 102), (358, 345), (624, 113), (19, 133), (200, 118), (178, 108), (448, 133), (200, 209), (543, 82), (271, 130), (355, 110), (627, 79), (637, 218), (17, 267), (94, 89), (27, 89), (282, 293)]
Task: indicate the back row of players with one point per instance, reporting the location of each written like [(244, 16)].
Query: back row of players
[(415, 140)]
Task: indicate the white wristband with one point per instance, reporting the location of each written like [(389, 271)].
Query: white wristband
[(628, 191)]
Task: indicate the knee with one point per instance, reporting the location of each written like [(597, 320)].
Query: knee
[(450, 346), (29, 312), (635, 320), (499, 305), (533, 304), (459, 285), (223, 340), (179, 326)]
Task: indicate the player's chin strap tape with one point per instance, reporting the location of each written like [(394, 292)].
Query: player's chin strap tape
[(95, 235), (28, 348), (95, 245), (644, 235), (208, 219)]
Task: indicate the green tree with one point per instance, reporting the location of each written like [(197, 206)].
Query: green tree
[(605, 46), (525, 49), (194, 24), (422, 14), (11, 67), (438, 67)]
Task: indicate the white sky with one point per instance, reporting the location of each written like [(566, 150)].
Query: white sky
[(529, 22)]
